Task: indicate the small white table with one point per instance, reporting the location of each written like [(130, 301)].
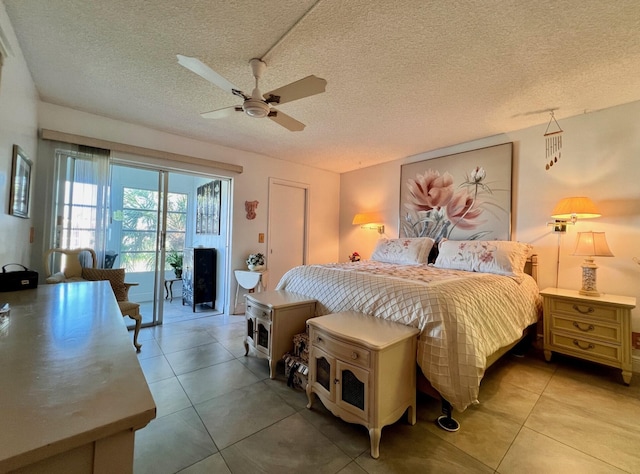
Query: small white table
[(249, 280)]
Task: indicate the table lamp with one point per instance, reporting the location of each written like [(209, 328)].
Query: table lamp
[(589, 245)]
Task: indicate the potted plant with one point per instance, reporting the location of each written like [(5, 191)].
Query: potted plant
[(175, 260), (255, 262)]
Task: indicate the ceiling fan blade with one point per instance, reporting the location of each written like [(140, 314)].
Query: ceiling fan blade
[(286, 121), (221, 113), (204, 71), (310, 85)]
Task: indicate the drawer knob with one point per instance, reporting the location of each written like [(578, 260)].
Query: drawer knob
[(318, 339), (588, 347), (264, 314), (354, 355), (588, 328), (336, 381), (581, 311)]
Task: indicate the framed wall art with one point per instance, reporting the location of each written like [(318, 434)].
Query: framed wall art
[(208, 208), (466, 196), (20, 183)]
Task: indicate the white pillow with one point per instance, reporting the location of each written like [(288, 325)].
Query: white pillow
[(403, 251), (489, 256)]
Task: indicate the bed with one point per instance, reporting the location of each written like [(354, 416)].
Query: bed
[(470, 305)]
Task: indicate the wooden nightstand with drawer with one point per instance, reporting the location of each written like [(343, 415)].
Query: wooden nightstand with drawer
[(363, 369), (597, 329), (273, 318)]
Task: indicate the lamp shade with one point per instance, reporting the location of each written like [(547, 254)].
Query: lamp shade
[(366, 218), (575, 207), (592, 244)]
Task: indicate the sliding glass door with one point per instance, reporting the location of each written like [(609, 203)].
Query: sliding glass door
[(134, 217), (154, 215), (136, 230), (116, 210)]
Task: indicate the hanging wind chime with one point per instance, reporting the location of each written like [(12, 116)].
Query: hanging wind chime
[(553, 142)]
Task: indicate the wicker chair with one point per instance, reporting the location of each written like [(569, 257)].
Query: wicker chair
[(74, 270), (115, 276)]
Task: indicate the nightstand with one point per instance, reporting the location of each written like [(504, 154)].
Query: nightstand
[(363, 369), (597, 329), (273, 318)]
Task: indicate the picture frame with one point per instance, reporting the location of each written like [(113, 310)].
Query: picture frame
[(20, 184), (465, 196)]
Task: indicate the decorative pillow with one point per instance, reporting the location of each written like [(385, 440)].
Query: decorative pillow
[(488, 256), (115, 277), (403, 251)]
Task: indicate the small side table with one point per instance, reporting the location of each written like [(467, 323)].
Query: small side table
[(249, 280), (363, 369), (273, 318), (168, 286)]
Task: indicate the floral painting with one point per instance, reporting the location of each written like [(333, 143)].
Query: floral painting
[(466, 196)]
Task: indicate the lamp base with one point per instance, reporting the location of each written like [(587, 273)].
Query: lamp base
[(589, 292), (589, 278)]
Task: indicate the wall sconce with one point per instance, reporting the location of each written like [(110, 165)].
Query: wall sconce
[(570, 209), (369, 221), (589, 245)]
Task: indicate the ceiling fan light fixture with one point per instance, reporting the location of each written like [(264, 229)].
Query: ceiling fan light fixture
[(255, 108), (255, 105)]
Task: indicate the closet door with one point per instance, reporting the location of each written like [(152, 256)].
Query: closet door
[(287, 228)]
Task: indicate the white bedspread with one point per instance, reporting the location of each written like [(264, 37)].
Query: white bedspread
[(463, 317)]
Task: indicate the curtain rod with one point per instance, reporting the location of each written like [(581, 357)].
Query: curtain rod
[(46, 134)]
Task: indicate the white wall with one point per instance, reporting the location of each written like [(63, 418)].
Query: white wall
[(600, 159), (18, 125), (250, 185)]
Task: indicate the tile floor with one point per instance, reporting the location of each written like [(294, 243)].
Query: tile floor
[(218, 412)]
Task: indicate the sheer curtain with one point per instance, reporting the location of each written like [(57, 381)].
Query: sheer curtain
[(81, 198)]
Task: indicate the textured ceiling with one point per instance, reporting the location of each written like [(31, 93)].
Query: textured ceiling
[(404, 76)]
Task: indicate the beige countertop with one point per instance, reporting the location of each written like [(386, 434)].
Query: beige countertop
[(69, 374)]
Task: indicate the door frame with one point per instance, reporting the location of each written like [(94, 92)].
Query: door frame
[(164, 172)]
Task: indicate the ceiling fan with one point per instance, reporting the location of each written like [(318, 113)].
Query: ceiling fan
[(257, 105)]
